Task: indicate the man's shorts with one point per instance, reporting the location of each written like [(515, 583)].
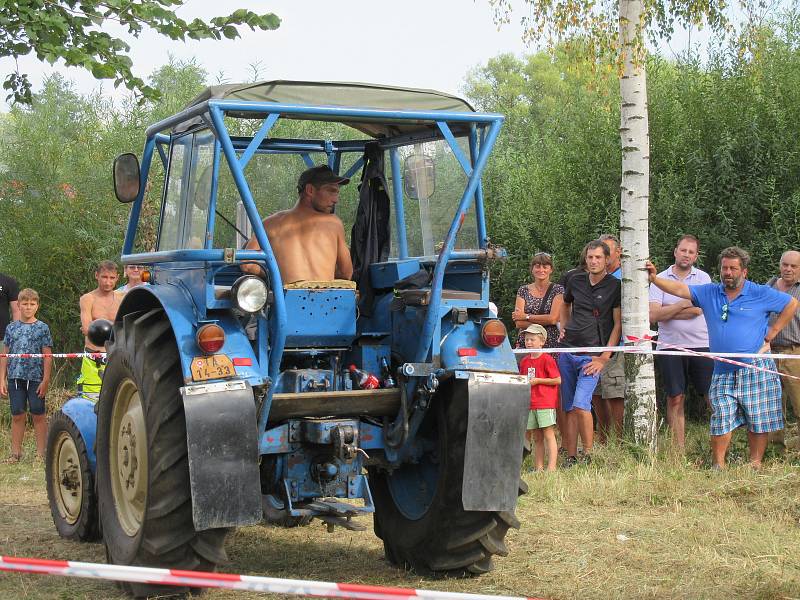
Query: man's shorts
[(677, 371), (576, 387), (746, 397), (791, 387), (612, 379), (91, 378), (22, 394), (541, 417)]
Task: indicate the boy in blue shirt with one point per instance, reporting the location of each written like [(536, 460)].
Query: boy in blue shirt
[(25, 380), (737, 312)]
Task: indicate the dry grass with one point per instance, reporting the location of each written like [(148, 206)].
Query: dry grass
[(621, 528)]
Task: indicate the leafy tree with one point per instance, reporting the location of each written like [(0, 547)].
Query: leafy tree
[(613, 32), (723, 167), (75, 31), (58, 214)]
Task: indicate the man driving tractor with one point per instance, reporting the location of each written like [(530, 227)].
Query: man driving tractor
[(308, 239)]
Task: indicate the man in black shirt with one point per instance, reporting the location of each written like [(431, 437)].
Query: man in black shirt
[(591, 316), (8, 300)]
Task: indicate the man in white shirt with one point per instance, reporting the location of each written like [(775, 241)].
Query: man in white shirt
[(681, 324)]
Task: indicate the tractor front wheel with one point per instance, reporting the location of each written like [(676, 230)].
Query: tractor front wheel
[(70, 484)]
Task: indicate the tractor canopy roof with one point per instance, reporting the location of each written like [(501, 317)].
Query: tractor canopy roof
[(345, 95)]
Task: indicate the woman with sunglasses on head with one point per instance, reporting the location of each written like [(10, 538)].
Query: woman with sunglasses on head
[(133, 274), (539, 302)]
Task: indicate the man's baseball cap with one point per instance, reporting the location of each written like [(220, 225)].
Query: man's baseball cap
[(320, 175), (537, 329)]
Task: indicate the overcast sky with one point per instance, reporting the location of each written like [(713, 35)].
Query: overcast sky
[(415, 43)]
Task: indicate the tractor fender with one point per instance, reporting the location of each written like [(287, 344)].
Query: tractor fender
[(184, 318), (222, 442), (80, 410), (480, 356), (496, 421)]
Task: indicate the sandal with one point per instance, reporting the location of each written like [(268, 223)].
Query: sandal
[(14, 458)]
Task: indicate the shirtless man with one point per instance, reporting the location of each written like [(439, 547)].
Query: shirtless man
[(308, 239), (100, 303)]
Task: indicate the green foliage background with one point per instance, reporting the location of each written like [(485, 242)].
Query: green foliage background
[(58, 213), (725, 158), (724, 150)]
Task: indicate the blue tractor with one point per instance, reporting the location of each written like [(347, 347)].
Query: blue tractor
[(228, 398)]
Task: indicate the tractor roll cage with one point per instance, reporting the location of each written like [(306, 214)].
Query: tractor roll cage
[(482, 130)]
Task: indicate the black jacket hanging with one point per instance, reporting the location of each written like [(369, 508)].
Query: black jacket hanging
[(369, 239)]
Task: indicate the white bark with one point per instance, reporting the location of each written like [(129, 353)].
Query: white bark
[(640, 395)]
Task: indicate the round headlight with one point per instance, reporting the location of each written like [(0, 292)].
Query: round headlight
[(249, 293)]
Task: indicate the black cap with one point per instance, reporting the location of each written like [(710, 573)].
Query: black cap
[(320, 175)]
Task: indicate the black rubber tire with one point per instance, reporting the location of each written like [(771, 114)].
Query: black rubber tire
[(70, 482), (446, 539), (144, 354)]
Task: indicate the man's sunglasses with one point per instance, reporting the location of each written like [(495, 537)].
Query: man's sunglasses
[(724, 315)]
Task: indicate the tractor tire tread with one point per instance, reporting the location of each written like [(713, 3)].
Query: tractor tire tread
[(168, 539)]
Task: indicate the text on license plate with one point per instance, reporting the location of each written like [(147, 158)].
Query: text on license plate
[(217, 366)]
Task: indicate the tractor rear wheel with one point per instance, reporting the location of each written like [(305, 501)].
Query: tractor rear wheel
[(142, 461), (70, 484), (419, 514)]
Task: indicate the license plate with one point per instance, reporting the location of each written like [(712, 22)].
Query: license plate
[(217, 366)]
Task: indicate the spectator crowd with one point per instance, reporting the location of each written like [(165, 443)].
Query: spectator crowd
[(581, 393), (575, 392), (26, 379)]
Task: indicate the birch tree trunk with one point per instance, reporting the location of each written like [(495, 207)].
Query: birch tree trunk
[(640, 394)]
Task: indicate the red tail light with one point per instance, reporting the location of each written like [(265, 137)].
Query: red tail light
[(210, 338), (493, 332)]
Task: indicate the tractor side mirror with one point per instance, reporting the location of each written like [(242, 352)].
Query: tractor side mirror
[(419, 176), (126, 177)]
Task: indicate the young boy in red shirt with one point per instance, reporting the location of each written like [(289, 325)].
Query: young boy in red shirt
[(544, 377)]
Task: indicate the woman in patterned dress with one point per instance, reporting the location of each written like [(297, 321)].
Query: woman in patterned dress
[(539, 302)]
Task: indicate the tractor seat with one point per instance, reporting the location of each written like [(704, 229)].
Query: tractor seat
[(335, 284)]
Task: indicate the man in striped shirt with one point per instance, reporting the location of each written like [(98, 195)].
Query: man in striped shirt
[(788, 339)]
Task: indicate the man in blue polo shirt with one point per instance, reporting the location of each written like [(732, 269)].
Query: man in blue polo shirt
[(737, 313)]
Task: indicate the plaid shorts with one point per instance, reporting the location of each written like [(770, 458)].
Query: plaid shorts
[(746, 397)]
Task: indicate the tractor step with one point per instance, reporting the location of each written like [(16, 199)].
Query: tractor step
[(333, 513)]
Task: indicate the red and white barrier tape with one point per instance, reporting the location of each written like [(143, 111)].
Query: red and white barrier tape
[(722, 359), (644, 350), (200, 579), (643, 346), (56, 355)]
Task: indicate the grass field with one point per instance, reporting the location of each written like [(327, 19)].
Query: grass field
[(620, 528)]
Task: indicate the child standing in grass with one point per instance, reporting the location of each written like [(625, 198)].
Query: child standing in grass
[(25, 380), (544, 377)]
